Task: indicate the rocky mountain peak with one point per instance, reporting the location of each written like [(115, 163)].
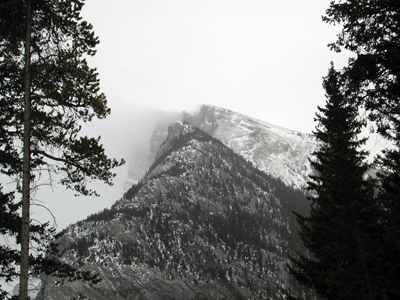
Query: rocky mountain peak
[(282, 153), (203, 223), (175, 130)]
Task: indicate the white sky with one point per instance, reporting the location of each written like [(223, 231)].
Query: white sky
[(262, 58)]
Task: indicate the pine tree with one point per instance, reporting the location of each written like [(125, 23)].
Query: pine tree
[(371, 31), (336, 232), (47, 90)]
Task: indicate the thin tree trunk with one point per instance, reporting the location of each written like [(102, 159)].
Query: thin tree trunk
[(26, 172)]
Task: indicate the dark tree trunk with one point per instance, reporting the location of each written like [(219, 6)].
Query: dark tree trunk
[(26, 171)]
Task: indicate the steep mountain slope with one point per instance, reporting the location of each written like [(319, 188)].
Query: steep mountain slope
[(278, 151), (142, 156), (202, 224)]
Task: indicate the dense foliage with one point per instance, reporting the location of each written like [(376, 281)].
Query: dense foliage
[(371, 31)]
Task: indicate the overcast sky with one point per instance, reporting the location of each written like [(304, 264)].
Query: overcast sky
[(262, 58)]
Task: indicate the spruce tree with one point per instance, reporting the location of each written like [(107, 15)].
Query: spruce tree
[(371, 30), (47, 90), (336, 231)]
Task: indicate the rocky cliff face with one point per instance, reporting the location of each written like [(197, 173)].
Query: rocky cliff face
[(143, 154), (203, 223), (280, 152)]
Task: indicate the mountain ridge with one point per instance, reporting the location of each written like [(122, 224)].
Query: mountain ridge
[(278, 151), (203, 223)]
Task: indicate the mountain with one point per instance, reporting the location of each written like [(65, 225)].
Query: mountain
[(203, 223), (280, 152), (142, 156)]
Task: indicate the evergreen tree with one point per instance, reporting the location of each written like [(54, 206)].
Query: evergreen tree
[(371, 30), (388, 197), (9, 226), (336, 232), (47, 90)]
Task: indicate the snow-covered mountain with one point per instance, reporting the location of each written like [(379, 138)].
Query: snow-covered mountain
[(278, 151), (203, 223)]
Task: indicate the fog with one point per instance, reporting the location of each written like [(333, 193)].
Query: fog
[(123, 135), (261, 58)]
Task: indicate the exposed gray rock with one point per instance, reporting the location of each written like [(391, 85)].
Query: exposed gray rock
[(280, 152)]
